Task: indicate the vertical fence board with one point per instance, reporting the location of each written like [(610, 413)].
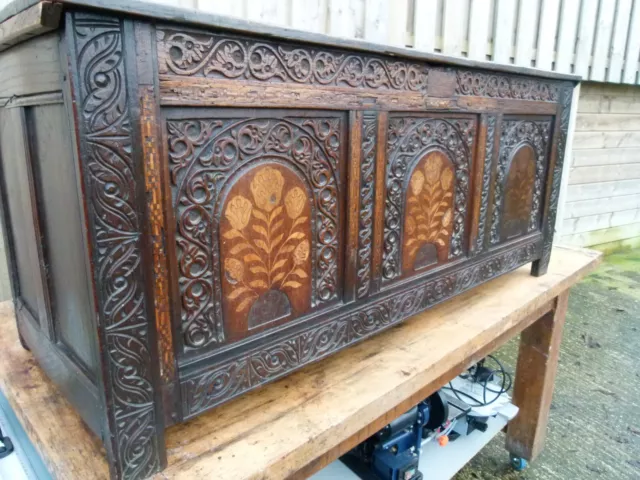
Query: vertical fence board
[(547, 34), (567, 35), (223, 7), (346, 18), (585, 37), (397, 19), (633, 46), (453, 31), (274, 12), (376, 21), (424, 25), (619, 41), (604, 29), (309, 15), (526, 36), (505, 19), (479, 21)]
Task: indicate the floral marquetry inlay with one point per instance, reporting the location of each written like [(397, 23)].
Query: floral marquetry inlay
[(426, 147), (265, 245), (429, 213), (245, 191)]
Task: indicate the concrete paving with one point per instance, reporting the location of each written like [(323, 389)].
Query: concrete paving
[(594, 429)]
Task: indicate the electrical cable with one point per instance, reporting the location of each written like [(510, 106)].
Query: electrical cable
[(472, 375)]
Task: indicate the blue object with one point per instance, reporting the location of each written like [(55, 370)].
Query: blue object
[(518, 463)]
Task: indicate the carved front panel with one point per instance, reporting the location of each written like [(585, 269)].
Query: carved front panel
[(427, 192), (258, 206), (519, 182)]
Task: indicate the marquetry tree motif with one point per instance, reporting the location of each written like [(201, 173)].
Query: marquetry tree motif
[(205, 156), (216, 56), (111, 182), (277, 358), (429, 216), (519, 193), (409, 140), (267, 260), (505, 86), (518, 134)]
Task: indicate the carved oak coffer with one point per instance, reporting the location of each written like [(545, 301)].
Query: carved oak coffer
[(194, 209)]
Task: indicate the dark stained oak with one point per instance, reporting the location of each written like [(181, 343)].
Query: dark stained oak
[(196, 206)]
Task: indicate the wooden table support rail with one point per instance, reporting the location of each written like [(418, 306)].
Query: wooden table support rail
[(295, 426)]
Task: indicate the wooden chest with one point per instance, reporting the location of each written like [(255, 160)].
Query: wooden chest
[(195, 206)]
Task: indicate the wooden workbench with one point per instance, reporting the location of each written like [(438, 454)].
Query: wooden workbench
[(296, 426)]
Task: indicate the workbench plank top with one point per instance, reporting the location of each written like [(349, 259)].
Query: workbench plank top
[(296, 425)]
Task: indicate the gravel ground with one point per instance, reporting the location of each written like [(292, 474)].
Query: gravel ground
[(594, 429)]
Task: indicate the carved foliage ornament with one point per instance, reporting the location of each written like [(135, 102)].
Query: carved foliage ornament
[(207, 55), (554, 196), (504, 86), (518, 134), (204, 154), (229, 380), (409, 139), (486, 182), (103, 109), (367, 192)]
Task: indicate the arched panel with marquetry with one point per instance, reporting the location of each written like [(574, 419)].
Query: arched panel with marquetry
[(428, 175), (258, 206), (519, 180)]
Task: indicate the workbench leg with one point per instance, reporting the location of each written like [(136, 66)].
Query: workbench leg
[(534, 381)]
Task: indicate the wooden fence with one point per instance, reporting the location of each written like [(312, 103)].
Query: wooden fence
[(598, 39)]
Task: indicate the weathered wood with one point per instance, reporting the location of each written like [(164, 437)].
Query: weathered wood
[(535, 380), (326, 408), (36, 20), (43, 411), (31, 68)]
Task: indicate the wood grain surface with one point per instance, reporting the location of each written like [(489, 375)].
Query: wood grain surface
[(297, 425)]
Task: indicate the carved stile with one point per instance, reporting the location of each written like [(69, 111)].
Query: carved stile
[(110, 178)]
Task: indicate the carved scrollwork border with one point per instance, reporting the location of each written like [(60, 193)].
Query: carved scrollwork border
[(111, 184), (515, 133), (481, 84), (202, 54), (248, 371), (554, 196), (486, 182), (203, 155), (367, 190), (408, 139)]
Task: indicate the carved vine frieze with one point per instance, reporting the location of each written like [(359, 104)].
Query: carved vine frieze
[(216, 56), (224, 381), (204, 154), (367, 193), (111, 183), (409, 139), (486, 182), (505, 86), (516, 134)]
